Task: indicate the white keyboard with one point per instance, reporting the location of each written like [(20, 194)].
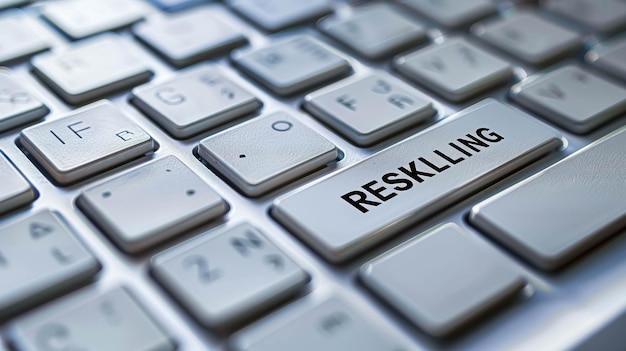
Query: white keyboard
[(281, 175)]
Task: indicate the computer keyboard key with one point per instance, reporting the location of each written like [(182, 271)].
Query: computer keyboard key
[(189, 37), (375, 31), (452, 13), (15, 190), (228, 275), (93, 68), (150, 204), (415, 178), (88, 141), (582, 203), (563, 96), (40, 258), (195, 102), (332, 324), (290, 66), (450, 280), (369, 109), (529, 37), (274, 15), (176, 5), (610, 57), (599, 15), (19, 36), (82, 18), (266, 153), (93, 321), (455, 69), (17, 105)]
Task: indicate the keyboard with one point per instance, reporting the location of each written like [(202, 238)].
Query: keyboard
[(278, 175)]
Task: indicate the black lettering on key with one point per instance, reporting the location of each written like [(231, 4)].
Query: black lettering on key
[(203, 270), (400, 101), (77, 131), (125, 135), (381, 87), (245, 244), (60, 256), (14, 97), (55, 337), (276, 261), (552, 91), (347, 102), (39, 230)]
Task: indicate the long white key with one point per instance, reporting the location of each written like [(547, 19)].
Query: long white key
[(136, 211), (19, 37), (91, 320), (289, 66), (15, 190), (17, 105), (195, 102), (375, 31), (562, 95), (454, 279), (40, 258), (274, 15), (82, 18), (332, 324), (529, 37), (267, 152), (563, 211), (600, 15), (228, 275), (189, 37), (354, 209), (93, 68), (610, 57), (88, 141), (369, 109), (453, 13), (456, 69)]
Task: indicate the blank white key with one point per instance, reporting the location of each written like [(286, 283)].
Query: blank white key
[(195, 102), (452, 13), (528, 37), (563, 96), (273, 15), (289, 66), (228, 275), (151, 204), (378, 197), (455, 69), (559, 213), (267, 152), (92, 69), (15, 190), (19, 37), (189, 37), (610, 57), (600, 15), (450, 279), (91, 320), (375, 31), (332, 324), (17, 105), (369, 109), (82, 18), (40, 258), (88, 141)]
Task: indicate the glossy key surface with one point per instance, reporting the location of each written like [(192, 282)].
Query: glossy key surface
[(20, 36), (17, 105), (385, 193), (228, 275), (582, 203), (88, 141), (150, 204), (15, 190), (40, 258)]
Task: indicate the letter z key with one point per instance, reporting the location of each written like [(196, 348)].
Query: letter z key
[(343, 215), (89, 140)]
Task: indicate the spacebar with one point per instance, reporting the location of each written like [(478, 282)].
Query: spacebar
[(345, 214)]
